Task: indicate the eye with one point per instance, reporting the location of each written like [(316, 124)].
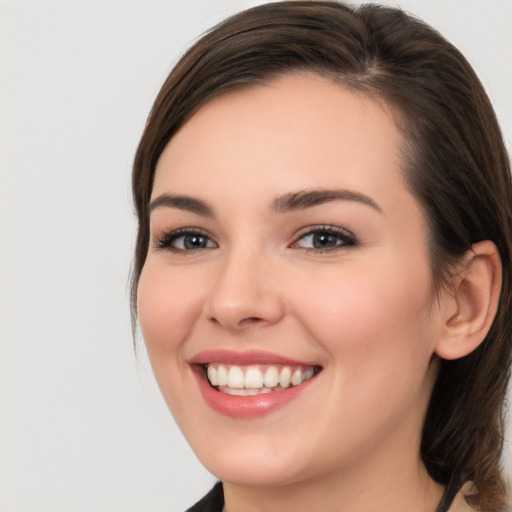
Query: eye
[(325, 239), (184, 240)]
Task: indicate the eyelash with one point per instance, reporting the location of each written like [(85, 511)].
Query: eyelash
[(345, 239), (166, 241)]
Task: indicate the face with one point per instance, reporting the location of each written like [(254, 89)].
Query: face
[(286, 301)]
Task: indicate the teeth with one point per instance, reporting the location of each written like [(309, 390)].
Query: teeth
[(296, 378), (253, 380), (271, 378), (212, 375), (240, 392), (236, 378), (285, 376), (222, 376), (247, 392)]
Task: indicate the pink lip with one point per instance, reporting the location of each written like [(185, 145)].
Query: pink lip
[(245, 358), (245, 406)]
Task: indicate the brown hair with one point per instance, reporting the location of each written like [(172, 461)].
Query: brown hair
[(456, 165)]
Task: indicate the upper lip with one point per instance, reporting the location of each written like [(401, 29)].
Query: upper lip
[(249, 357)]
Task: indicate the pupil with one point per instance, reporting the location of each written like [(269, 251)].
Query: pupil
[(194, 242), (324, 240)]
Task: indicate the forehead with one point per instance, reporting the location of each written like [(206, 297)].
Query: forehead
[(298, 131)]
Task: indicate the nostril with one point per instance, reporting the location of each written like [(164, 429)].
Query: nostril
[(250, 320), (236, 324), (243, 321)]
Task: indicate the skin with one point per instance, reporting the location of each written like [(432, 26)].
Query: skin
[(364, 311)]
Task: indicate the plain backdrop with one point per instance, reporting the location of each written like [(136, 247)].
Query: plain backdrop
[(82, 424)]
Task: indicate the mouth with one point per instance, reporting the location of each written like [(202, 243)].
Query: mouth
[(251, 384), (256, 379)]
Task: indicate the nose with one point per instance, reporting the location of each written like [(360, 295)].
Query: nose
[(244, 294)]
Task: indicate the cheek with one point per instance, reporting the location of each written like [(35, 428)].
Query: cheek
[(169, 303), (378, 333), (166, 312), (375, 317)]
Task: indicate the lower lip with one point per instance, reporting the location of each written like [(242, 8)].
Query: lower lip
[(251, 406)]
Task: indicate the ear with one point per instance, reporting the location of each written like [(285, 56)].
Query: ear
[(471, 308)]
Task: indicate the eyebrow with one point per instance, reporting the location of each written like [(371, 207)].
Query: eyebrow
[(185, 203), (308, 198), (289, 202)]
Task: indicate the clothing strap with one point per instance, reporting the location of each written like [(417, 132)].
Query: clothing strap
[(451, 491)]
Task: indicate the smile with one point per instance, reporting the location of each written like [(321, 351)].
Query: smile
[(256, 379), (251, 384)]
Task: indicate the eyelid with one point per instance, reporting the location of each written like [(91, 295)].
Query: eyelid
[(165, 240), (348, 238)]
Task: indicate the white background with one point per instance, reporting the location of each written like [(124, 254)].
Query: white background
[(82, 424)]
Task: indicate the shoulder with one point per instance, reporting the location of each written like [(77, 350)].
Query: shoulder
[(459, 503)]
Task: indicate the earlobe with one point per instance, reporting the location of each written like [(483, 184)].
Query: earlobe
[(473, 305)]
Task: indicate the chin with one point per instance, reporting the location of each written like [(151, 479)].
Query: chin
[(254, 460), (255, 474)]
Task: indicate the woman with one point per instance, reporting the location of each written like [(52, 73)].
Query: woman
[(322, 269)]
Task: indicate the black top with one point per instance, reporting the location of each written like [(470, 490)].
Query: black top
[(214, 500)]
